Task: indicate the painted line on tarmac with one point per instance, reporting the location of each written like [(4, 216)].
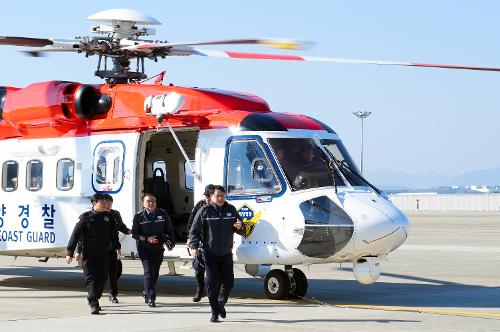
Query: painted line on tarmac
[(425, 247), (392, 308), (422, 310)]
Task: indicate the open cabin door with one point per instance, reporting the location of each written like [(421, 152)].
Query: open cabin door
[(164, 172)]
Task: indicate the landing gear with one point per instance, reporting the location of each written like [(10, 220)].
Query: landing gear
[(276, 284), (291, 283), (300, 280)]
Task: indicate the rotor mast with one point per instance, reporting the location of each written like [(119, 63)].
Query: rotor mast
[(121, 30)]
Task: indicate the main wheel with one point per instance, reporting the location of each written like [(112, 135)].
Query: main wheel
[(300, 284), (119, 269), (276, 284)]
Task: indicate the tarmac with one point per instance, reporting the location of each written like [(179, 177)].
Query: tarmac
[(446, 277)]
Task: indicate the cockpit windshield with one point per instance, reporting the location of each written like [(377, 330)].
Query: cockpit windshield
[(344, 162), (304, 163), (307, 166)]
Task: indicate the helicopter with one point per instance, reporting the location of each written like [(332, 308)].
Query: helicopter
[(302, 197)]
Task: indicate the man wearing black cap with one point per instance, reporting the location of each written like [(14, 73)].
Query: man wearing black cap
[(113, 259), (97, 230), (198, 262)]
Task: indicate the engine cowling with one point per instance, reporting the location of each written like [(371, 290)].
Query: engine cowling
[(367, 270), (54, 101)]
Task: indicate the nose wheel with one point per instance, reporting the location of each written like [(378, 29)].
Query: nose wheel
[(291, 283)]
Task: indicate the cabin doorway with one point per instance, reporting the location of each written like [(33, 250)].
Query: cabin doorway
[(164, 172)]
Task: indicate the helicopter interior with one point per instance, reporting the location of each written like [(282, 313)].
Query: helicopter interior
[(166, 174)]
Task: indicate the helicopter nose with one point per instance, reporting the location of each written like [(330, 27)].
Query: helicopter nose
[(381, 226)]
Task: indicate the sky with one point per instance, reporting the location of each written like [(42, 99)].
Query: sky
[(423, 120)]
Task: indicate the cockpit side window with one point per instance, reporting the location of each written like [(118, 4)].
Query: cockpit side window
[(34, 175), (249, 171), (10, 171)]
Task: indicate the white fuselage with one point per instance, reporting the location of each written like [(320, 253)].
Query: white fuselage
[(39, 223)]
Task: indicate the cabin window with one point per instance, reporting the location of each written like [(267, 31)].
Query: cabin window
[(65, 174), (189, 177), (10, 171), (34, 175), (249, 171), (108, 166)]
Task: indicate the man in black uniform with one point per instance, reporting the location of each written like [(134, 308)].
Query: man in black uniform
[(152, 229), (198, 262), (113, 258), (214, 225), (97, 231)]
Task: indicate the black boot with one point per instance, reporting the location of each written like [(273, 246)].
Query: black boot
[(94, 307), (146, 297), (199, 294), (214, 318), (222, 311), (112, 298)]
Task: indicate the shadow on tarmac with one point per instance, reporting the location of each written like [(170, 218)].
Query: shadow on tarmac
[(419, 292)]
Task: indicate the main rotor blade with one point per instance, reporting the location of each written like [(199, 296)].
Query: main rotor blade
[(262, 56), (24, 41), (269, 42), (41, 51)]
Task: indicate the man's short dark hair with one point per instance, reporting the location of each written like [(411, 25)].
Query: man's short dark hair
[(148, 194), (98, 197), (216, 187), (207, 190), (108, 198)]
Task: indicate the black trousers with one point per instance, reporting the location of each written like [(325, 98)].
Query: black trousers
[(113, 273), (220, 279), (151, 262), (199, 271), (95, 270)]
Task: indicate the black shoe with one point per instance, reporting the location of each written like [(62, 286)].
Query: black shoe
[(222, 311), (152, 303), (146, 297), (112, 298), (199, 294), (94, 309), (214, 318)]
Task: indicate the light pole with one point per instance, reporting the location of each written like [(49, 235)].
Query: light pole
[(362, 116)]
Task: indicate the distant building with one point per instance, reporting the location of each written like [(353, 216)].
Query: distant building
[(428, 201), (483, 189)]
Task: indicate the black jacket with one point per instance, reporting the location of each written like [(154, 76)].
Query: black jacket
[(158, 224), (196, 208), (213, 226), (120, 227), (97, 231)]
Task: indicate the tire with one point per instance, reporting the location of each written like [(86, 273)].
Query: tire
[(300, 284), (276, 284), (119, 269)]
